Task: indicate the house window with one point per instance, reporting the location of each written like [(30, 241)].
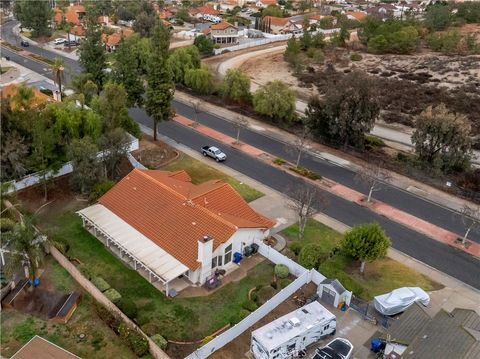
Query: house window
[(228, 254), (216, 261)]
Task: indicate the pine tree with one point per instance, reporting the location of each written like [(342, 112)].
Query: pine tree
[(160, 79)]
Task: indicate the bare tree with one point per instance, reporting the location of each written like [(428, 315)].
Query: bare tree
[(240, 123), (470, 218), (372, 176), (300, 144), (305, 200), (197, 108)]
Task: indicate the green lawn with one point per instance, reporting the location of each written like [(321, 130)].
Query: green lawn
[(177, 318), (100, 341), (380, 277), (200, 172)]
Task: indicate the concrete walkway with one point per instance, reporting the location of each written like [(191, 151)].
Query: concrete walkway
[(406, 219), (274, 205)]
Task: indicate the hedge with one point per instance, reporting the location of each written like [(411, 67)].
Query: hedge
[(281, 271), (249, 305), (113, 295), (133, 339), (160, 341), (101, 284)]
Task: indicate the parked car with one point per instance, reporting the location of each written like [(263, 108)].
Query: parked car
[(214, 152), (338, 348), (400, 299), (24, 43), (59, 41)]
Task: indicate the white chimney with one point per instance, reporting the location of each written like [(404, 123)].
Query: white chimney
[(205, 250)]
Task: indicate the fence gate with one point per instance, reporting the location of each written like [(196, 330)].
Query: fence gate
[(328, 296)]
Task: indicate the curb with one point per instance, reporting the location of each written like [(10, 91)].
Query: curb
[(353, 196)]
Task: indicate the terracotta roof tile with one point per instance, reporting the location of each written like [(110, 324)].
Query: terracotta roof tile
[(71, 14), (275, 21), (359, 15), (174, 213), (39, 98), (222, 26)]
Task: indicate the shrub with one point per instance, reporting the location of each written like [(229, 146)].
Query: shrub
[(305, 173), (128, 307), (133, 339), (160, 341), (264, 294), (150, 328), (100, 189), (356, 57), (275, 100), (281, 271), (279, 161), (62, 245), (237, 317), (310, 255), (6, 224), (113, 295), (110, 319), (296, 247), (249, 305), (101, 284), (285, 282), (199, 80), (373, 143)]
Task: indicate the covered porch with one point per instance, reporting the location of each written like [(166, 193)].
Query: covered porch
[(160, 268)]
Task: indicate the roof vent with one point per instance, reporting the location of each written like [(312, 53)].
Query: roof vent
[(190, 203), (295, 321), (194, 223)]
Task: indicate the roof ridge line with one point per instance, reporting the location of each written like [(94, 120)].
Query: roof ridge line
[(163, 185), (211, 190), (207, 211)]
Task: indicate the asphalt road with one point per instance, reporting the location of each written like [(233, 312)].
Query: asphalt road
[(398, 198), (444, 258)]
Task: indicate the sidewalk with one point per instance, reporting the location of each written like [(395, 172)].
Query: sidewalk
[(394, 214), (407, 184), (273, 205)]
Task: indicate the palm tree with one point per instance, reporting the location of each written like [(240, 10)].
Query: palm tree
[(25, 248), (58, 73)]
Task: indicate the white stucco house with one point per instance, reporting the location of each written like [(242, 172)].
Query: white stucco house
[(163, 224)]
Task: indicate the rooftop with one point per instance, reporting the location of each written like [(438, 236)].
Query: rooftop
[(38, 347), (173, 213), (291, 325)]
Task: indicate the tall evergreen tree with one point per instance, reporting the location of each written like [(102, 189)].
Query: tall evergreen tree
[(92, 50), (128, 72), (160, 79), (34, 14)]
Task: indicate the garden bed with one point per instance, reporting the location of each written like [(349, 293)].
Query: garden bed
[(381, 276), (85, 334)]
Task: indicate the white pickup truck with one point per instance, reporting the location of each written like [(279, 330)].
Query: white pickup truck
[(214, 152)]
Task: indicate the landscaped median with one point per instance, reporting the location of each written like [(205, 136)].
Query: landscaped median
[(394, 214), (381, 276)]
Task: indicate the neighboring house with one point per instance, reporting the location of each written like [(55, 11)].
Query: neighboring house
[(416, 335), (73, 15), (38, 347), (274, 25), (201, 11), (163, 224), (165, 14), (265, 3), (382, 11), (39, 98), (222, 33), (111, 41), (77, 30), (356, 15)]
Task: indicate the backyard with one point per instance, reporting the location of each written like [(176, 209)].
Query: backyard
[(175, 319), (85, 334), (381, 276)]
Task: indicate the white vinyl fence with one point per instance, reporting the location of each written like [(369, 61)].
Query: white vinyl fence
[(303, 275), (253, 43), (67, 168)]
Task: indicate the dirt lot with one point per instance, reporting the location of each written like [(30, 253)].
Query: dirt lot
[(153, 155)]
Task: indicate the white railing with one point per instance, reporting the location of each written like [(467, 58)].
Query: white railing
[(253, 43), (250, 320), (67, 168), (278, 258)]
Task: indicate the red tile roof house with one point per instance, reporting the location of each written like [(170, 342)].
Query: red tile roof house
[(167, 227), (222, 33), (111, 41)]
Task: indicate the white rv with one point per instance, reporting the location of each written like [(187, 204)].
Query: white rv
[(285, 337)]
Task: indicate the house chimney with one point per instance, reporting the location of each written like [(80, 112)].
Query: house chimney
[(205, 250)]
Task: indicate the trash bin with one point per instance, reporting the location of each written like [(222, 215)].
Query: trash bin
[(237, 257), (376, 345)]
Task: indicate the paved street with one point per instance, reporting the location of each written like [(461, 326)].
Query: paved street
[(446, 259)]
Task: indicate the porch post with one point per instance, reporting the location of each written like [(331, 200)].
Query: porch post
[(166, 289), (150, 276)]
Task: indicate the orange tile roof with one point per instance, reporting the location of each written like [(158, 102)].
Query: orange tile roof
[(114, 39), (165, 14), (269, 2), (275, 21), (359, 15), (207, 10), (71, 14), (174, 213), (77, 30), (39, 98), (221, 26)]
